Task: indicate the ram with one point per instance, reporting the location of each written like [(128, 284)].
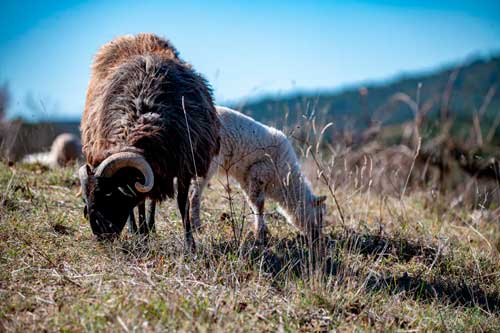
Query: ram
[(149, 118)]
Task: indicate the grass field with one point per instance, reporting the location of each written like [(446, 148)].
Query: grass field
[(407, 264)]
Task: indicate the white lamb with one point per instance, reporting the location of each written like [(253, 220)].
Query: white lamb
[(264, 163)]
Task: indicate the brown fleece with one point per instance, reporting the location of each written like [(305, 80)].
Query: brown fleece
[(138, 99)]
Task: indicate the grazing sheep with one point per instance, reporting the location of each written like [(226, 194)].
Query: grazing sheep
[(66, 149), (148, 118), (264, 163)]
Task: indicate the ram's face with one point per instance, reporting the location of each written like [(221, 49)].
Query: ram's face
[(113, 189), (108, 202), (109, 205)]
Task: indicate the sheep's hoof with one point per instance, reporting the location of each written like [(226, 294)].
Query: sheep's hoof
[(190, 245)]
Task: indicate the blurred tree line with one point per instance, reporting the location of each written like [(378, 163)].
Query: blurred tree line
[(473, 88)]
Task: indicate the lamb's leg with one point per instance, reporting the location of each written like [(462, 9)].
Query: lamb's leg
[(183, 203), (151, 216), (196, 192), (132, 227), (256, 197), (195, 200)]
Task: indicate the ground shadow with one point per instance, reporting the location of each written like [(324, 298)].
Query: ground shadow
[(282, 258), (459, 293)]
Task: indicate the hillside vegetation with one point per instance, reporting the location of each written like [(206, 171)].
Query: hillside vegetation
[(469, 85)]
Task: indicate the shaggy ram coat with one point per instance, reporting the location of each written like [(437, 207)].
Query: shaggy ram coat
[(148, 118)]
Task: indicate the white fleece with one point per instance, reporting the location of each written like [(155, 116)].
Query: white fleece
[(264, 163)]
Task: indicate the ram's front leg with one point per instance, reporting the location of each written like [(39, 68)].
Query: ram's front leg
[(143, 227), (146, 219), (132, 227), (151, 216)]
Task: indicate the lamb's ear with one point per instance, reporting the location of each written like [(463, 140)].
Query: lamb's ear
[(319, 200)]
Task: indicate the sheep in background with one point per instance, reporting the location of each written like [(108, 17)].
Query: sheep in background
[(264, 163), (66, 149)]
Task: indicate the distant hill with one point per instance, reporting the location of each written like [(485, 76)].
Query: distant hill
[(357, 106)]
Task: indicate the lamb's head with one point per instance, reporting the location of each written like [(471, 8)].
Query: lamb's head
[(310, 216), (113, 189)]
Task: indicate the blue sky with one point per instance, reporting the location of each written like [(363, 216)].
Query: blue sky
[(245, 49)]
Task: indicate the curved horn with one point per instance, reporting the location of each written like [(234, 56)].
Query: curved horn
[(117, 161)]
